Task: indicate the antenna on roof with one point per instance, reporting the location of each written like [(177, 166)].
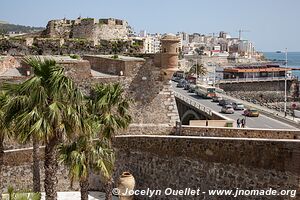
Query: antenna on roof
[(240, 33)]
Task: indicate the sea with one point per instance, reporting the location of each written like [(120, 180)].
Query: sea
[(293, 60)]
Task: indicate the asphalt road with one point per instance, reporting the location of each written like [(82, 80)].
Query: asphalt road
[(251, 122)]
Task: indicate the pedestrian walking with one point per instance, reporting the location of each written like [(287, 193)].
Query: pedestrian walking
[(238, 123), (243, 122)]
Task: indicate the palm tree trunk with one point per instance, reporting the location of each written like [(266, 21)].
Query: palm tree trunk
[(51, 167), (84, 188), (1, 163), (36, 166), (108, 190)]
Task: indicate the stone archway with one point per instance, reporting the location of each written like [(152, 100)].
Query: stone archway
[(189, 115)]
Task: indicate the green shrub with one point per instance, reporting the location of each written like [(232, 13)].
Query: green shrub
[(115, 56), (75, 56), (12, 195)]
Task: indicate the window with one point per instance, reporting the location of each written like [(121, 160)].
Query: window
[(165, 50)]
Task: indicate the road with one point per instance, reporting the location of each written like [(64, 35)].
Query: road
[(251, 122)]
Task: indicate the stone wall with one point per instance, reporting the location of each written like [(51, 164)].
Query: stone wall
[(8, 62), (239, 132), (267, 93), (179, 162), (109, 65), (17, 172), (79, 71), (153, 98), (88, 28), (161, 162), (56, 46), (256, 86)]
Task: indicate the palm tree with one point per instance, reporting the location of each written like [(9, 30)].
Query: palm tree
[(48, 107), (12, 90), (84, 154), (198, 69), (4, 132), (108, 112), (110, 108)]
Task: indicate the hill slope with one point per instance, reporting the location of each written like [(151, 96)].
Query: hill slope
[(6, 27)]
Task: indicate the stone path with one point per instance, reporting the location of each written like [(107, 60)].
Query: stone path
[(75, 196)]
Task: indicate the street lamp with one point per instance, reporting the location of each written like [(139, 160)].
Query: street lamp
[(285, 83), (196, 70)]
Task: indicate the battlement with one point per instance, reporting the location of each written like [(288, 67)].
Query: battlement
[(113, 22), (86, 21), (88, 28)]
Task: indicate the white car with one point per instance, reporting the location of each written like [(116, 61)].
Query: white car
[(227, 109), (238, 106)]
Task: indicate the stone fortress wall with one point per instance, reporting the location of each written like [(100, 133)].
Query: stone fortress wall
[(88, 28), (60, 46), (210, 161), (160, 162)]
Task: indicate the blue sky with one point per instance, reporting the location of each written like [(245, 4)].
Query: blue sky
[(273, 24)]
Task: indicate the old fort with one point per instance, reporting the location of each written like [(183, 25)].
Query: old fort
[(88, 28), (174, 141)]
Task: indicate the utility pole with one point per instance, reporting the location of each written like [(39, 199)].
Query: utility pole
[(285, 84), (240, 33), (196, 70), (214, 76)]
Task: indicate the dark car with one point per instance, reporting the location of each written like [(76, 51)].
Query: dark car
[(186, 86), (225, 102), (181, 83)]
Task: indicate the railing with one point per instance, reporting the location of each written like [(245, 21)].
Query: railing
[(236, 80), (193, 103)]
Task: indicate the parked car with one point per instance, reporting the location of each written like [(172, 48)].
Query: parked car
[(224, 102), (217, 99), (228, 109), (176, 79), (192, 88), (187, 86), (238, 106), (251, 112), (181, 83)]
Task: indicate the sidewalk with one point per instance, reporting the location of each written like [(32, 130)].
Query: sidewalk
[(75, 196)]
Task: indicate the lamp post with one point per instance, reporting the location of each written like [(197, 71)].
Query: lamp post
[(196, 70), (214, 76), (285, 84)]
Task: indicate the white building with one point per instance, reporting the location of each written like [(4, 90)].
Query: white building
[(143, 33), (245, 48), (152, 43)]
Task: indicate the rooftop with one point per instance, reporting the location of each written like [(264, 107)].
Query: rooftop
[(122, 58), (263, 68), (170, 36)]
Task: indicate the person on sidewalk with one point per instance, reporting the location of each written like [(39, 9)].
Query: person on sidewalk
[(243, 122), (238, 123)]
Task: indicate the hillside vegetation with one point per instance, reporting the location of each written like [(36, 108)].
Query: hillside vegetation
[(6, 27)]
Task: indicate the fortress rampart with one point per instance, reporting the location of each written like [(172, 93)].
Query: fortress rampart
[(88, 28)]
